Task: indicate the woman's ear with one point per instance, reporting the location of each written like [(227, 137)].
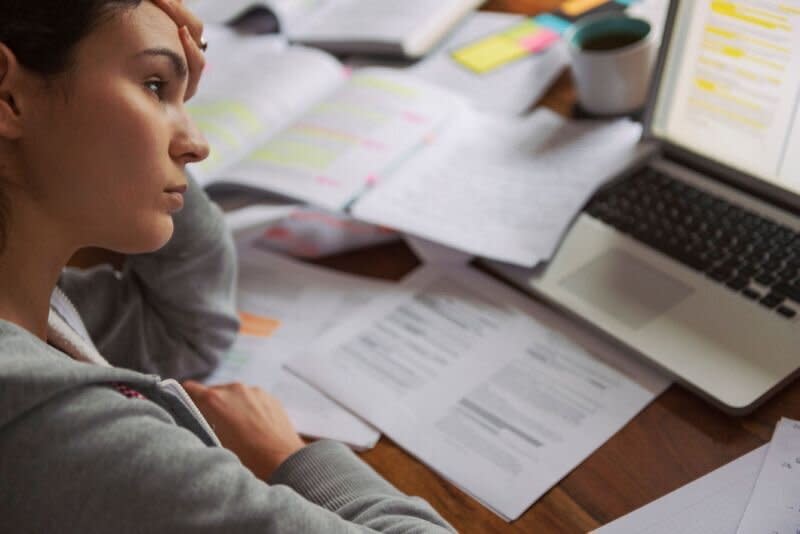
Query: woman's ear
[(10, 78)]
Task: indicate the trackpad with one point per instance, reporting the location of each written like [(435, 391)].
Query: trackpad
[(626, 288)]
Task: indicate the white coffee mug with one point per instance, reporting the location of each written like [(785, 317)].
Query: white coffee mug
[(616, 80)]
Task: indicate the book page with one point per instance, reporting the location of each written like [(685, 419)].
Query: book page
[(774, 506), (712, 504), (347, 141), (252, 87), (458, 370), (284, 304), (501, 188)]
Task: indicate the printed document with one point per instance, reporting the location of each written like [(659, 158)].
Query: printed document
[(457, 369), (284, 305)]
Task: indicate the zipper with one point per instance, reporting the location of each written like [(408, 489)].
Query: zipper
[(172, 385)]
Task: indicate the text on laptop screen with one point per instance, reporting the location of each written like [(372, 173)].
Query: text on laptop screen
[(730, 86)]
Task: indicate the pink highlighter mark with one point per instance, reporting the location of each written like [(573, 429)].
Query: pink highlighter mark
[(374, 145), (372, 180), (347, 71), (324, 180), (539, 41), (416, 118)]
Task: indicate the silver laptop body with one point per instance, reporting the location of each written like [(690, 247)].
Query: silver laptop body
[(721, 118)]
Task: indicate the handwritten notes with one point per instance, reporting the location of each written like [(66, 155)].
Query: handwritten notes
[(774, 506)]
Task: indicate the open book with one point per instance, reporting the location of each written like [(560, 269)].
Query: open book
[(397, 151), (408, 28)]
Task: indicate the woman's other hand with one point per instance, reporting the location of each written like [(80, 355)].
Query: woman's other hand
[(249, 422), (190, 29)]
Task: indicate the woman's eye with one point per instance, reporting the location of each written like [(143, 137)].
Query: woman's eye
[(156, 87)]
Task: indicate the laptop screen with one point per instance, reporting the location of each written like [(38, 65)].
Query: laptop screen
[(730, 86)]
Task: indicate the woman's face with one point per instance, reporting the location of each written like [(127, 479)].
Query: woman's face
[(105, 148)]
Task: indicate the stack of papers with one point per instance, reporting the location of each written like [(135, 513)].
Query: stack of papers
[(283, 305), (473, 379), (758, 493)]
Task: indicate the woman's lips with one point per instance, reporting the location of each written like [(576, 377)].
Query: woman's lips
[(175, 197), (176, 189)]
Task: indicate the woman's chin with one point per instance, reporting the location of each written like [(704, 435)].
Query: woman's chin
[(146, 239)]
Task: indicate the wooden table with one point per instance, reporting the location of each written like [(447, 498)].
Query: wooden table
[(677, 439)]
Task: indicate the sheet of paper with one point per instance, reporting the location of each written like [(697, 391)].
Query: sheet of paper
[(502, 188), (774, 506), (511, 89), (284, 305), (345, 143), (455, 368), (710, 505), (254, 86)]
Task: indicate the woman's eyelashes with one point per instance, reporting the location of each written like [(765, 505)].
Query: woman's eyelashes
[(159, 88)]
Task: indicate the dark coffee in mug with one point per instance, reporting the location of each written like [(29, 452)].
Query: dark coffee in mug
[(610, 41)]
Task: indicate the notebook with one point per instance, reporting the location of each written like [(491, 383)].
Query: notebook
[(409, 28)]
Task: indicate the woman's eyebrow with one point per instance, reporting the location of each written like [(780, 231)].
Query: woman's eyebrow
[(178, 63)]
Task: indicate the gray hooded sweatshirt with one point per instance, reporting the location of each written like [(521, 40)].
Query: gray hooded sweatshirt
[(78, 456)]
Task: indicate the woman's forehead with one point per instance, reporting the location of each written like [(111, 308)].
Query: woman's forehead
[(133, 30)]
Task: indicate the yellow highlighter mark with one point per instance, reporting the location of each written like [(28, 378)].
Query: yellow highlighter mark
[(751, 16), (295, 154), (255, 325), (383, 84)]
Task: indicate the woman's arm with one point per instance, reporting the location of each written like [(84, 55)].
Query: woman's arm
[(170, 312), (93, 461)]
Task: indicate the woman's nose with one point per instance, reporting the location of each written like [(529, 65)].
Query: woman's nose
[(189, 144)]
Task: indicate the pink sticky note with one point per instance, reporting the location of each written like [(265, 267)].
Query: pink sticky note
[(539, 41)]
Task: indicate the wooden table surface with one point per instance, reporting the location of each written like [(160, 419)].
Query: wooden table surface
[(675, 440)]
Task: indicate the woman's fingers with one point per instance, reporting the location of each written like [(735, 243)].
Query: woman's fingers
[(195, 59), (182, 16), (190, 29)]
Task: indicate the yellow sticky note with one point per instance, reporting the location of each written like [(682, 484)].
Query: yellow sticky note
[(498, 49)]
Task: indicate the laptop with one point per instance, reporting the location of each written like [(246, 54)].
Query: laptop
[(691, 257)]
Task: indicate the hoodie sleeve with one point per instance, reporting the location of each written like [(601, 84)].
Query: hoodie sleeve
[(170, 312), (112, 464)]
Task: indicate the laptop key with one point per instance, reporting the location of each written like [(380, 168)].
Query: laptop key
[(792, 291), (772, 300), (787, 312), (751, 294), (737, 283)]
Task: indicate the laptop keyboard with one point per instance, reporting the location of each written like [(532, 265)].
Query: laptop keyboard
[(748, 253)]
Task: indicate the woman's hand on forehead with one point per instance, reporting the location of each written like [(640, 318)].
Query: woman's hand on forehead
[(190, 29)]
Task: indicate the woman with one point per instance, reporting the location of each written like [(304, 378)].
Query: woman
[(94, 138)]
